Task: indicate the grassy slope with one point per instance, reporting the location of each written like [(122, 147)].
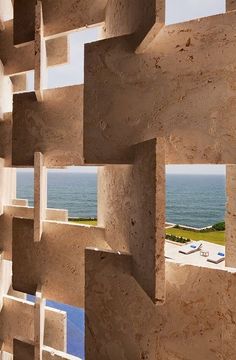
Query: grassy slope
[(85, 222), (216, 237)]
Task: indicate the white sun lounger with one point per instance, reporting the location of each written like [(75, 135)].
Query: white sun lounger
[(190, 248), (216, 258)]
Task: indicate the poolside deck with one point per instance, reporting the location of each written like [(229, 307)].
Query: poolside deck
[(172, 253)]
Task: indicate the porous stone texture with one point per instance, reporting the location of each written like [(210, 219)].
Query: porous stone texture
[(181, 88), (190, 325), (21, 59), (152, 95), (230, 5), (53, 127), (19, 82), (230, 216), (127, 195), (16, 320), (60, 251)]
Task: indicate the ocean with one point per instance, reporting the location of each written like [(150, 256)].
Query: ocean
[(194, 200)]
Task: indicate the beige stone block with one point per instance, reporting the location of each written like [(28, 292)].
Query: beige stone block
[(60, 16), (51, 354), (55, 319), (20, 202), (53, 127), (57, 215), (39, 323), (174, 90), (24, 21), (144, 19), (22, 350), (7, 186), (6, 11), (17, 322), (154, 15), (190, 325), (6, 356), (5, 278), (56, 262), (127, 195), (130, 17), (21, 59), (40, 68), (19, 83), (230, 5), (5, 93), (6, 139), (57, 51), (26, 213), (6, 236), (129, 332), (40, 195), (230, 217)]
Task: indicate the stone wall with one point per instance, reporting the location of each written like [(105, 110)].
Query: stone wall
[(152, 95)]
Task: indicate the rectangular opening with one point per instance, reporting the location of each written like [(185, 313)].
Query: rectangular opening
[(73, 189), (195, 214)]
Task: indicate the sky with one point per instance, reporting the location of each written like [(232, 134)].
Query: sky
[(72, 73)]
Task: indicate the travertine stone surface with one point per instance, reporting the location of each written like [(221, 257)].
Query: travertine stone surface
[(7, 186), (55, 319), (26, 213), (6, 356), (60, 16), (21, 59), (53, 127), (19, 82), (40, 66), (6, 139), (24, 19), (39, 323), (230, 216), (230, 5), (22, 350), (5, 93), (16, 321), (51, 354), (56, 262), (190, 325), (6, 236), (153, 95), (20, 202), (154, 13), (5, 278), (190, 89), (57, 51), (132, 17), (6, 11), (40, 195), (128, 194)]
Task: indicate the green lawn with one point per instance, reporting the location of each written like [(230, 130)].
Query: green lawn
[(85, 222), (216, 237)]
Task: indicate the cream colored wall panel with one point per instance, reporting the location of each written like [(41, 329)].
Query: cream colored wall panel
[(56, 262), (127, 194), (21, 59), (53, 127), (182, 89)]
